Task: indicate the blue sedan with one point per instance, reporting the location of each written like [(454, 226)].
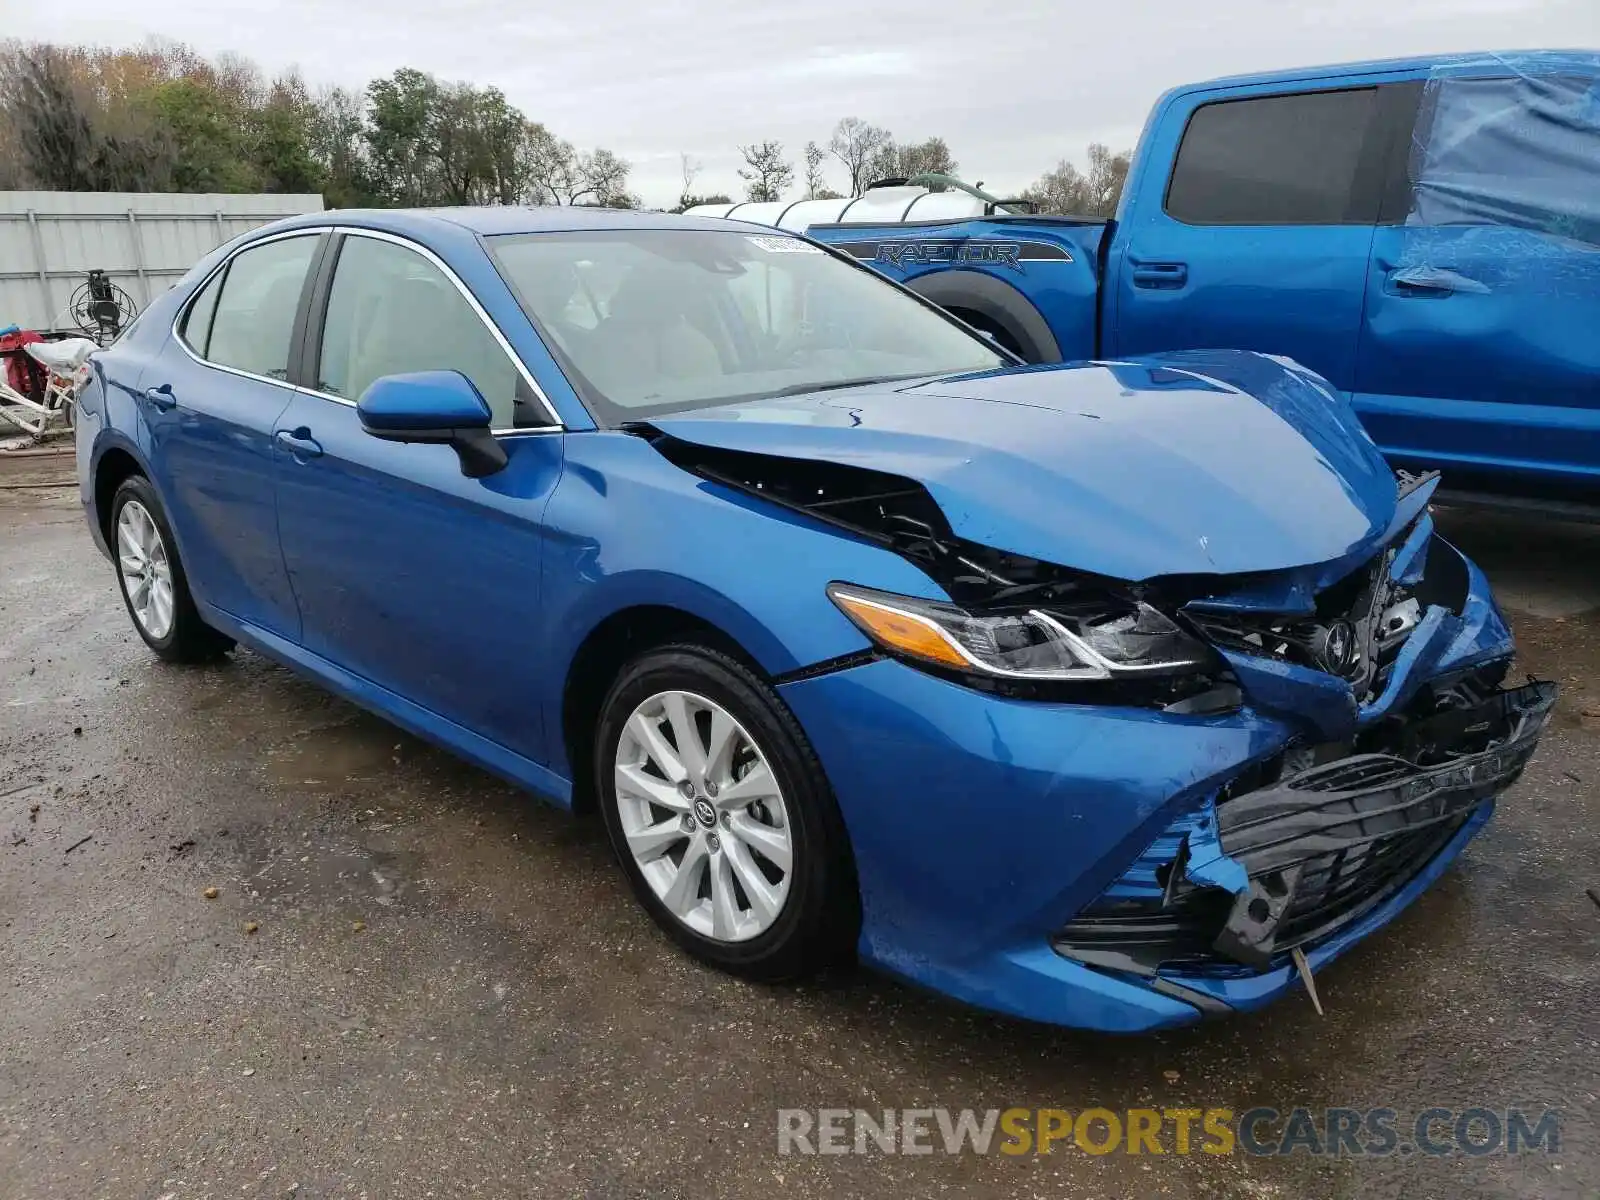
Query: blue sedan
[(1111, 694)]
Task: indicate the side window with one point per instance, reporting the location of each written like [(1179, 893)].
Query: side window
[(1520, 151), (254, 316), (391, 311), (1274, 160), (197, 323)]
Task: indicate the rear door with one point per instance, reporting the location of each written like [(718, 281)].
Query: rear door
[(1480, 352), (211, 403), (1258, 236)]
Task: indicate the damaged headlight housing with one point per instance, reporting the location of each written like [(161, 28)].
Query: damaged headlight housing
[(1082, 641)]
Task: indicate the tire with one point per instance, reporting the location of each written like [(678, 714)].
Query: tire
[(175, 631), (993, 329), (819, 919)]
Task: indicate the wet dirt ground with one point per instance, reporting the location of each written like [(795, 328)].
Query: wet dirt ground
[(448, 992)]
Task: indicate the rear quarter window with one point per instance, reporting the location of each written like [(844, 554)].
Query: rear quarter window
[(196, 327)]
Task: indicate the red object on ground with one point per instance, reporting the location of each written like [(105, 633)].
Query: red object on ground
[(23, 374)]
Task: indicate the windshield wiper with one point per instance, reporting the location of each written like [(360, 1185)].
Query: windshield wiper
[(795, 389)]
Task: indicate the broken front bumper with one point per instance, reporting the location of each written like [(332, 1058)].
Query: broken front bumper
[(1290, 863), (985, 827)]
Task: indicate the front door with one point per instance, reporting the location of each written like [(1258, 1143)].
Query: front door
[(212, 406), (409, 574), (1481, 346)]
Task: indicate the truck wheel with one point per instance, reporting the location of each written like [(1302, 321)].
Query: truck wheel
[(990, 329)]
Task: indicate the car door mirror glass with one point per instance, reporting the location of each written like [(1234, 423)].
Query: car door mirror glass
[(434, 406)]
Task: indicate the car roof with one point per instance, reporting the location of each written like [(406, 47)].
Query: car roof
[(1514, 60), (491, 220)]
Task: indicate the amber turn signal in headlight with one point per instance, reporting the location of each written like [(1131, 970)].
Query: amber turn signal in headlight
[(1102, 638)]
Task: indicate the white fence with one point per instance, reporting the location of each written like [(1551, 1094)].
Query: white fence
[(145, 241)]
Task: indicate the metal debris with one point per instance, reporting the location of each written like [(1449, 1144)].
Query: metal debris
[(1301, 965)]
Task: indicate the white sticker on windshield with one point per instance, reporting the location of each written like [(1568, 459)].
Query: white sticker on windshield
[(784, 245)]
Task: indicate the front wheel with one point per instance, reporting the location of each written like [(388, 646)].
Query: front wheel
[(722, 818), (151, 577)]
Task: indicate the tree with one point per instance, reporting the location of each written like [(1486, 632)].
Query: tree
[(554, 172), (476, 135), (162, 117), (685, 203), (1065, 189), (55, 126), (905, 162), (1107, 173), (335, 140), (815, 156), (765, 172), (547, 164), (210, 136), (282, 132), (454, 143), (399, 125), (858, 145), (605, 177), (691, 170), (55, 139)]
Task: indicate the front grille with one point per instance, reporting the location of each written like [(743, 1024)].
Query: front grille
[(1366, 610), (1335, 889), (1320, 848)]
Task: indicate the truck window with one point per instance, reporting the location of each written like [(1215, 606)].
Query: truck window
[(1274, 160), (1521, 152)]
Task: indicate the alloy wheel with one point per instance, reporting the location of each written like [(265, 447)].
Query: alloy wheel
[(703, 816), (146, 570)]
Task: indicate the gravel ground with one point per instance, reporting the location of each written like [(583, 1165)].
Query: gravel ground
[(417, 981)]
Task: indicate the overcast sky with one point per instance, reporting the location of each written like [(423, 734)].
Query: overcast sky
[(1013, 87)]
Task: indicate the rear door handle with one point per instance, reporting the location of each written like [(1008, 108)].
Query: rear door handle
[(161, 397), (299, 443), (1160, 274)]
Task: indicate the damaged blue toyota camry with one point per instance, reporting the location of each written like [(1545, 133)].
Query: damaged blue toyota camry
[(1112, 694)]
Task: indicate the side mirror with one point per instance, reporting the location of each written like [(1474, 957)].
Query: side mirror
[(434, 406)]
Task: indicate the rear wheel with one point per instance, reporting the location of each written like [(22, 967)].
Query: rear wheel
[(722, 818), (151, 577), (993, 330)]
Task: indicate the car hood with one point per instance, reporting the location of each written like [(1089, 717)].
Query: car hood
[(1194, 462)]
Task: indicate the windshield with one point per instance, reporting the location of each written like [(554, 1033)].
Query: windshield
[(650, 321)]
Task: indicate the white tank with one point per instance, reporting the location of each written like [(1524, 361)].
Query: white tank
[(878, 206), (710, 210), (762, 212), (945, 206), (803, 214)]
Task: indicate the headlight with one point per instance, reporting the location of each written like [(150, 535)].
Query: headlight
[(1103, 640)]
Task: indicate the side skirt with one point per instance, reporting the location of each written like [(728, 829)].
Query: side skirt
[(423, 722)]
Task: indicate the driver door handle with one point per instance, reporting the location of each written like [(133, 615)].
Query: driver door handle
[(299, 443)]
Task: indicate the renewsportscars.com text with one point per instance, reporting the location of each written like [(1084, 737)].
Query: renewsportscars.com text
[(1337, 1132)]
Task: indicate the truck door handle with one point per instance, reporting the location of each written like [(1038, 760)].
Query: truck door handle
[(299, 443), (1160, 274), (1429, 282), (161, 397)]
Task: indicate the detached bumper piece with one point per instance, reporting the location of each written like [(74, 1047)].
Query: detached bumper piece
[(1317, 849)]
